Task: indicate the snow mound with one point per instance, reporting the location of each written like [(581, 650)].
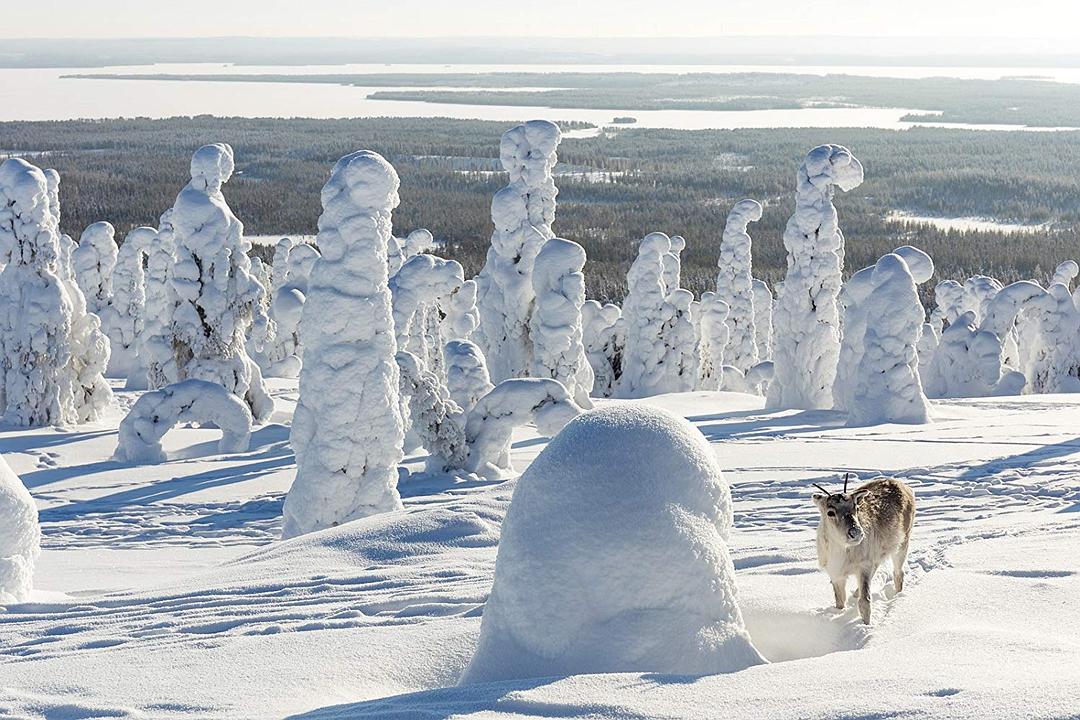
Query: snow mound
[(157, 412), (20, 537), (613, 557)]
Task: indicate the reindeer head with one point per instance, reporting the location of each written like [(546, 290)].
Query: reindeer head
[(838, 513)]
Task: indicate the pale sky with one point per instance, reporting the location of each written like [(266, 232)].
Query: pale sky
[(548, 18)]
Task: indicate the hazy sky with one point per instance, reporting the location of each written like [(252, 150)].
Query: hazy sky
[(550, 18)]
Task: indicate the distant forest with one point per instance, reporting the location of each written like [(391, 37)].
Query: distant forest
[(613, 188)]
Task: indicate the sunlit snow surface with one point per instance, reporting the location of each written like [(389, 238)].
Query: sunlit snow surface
[(162, 590)]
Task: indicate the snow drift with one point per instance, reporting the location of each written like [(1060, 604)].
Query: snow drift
[(613, 557)]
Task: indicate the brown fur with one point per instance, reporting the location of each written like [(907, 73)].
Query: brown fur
[(868, 525)]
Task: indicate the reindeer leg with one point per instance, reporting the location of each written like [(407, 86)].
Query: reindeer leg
[(899, 559), (839, 589), (864, 596)]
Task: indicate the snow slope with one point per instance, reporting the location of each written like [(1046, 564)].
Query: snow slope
[(162, 590)]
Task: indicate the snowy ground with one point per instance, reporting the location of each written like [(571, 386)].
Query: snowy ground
[(163, 592)]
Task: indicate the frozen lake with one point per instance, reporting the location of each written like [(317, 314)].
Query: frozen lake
[(965, 224), (43, 94)]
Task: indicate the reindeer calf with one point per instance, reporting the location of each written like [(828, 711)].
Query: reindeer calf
[(859, 530)]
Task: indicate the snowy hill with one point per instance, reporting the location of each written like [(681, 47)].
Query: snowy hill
[(162, 590)]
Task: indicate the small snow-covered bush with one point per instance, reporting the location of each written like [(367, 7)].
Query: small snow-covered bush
[(512, 403), (522, 213), (438, 421), (556, 328), (158, 411), (613, 557), (886, 380), (679, 367), (20, 537), (347, 429), (734, 285), (806, 321), (602, 336), (94, 261), (155, 341), (462, 316)]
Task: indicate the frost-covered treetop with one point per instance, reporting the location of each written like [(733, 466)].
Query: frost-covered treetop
[(744, 213), (25, 195), (362, 180), (528, 151), (418, 241), (212, 166), (826, 167), (919, 263), (1065, 273)]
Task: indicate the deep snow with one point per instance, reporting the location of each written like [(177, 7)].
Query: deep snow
[(163, 591)]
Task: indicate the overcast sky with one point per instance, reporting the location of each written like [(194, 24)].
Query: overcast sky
[(550, 18)]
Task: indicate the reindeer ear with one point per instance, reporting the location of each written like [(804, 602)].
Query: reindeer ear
[(858, 495), (819, 499)]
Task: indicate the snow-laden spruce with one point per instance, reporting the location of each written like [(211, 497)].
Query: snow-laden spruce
[(970, 359), (763, 309), (347, 430), (215, 290), (713, 341), (613, 557), (644, 313), (467, 378), (602, 337), (556, 325), (437, 420), (124, 317), (886, 384), (462, 316), (512, 403), (806, 321), (734, 285), (35, 312), (423, 285), (94, 262), (289, 287), (680, 364), (90, 351), (20, 537), (852, 299), (155, 342), (522, 213), (190, 401), (673, 263)]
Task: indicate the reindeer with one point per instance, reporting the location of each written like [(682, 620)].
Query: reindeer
[(858, 531)]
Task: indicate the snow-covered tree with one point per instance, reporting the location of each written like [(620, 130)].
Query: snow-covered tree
[(714, 340), (467, 378), (215, 290), (948, 304), (852, 299), (94, 262), (886, 380), (283, 355), (806, 321), (556, 326), (35, 309), (734, 285), (421, 288), (522, 213), (462, 316), (673, 263), (1051, 341), (279, 264), (155, 342), (613, 557), (125, 314), (679, 369), (510, 404), (90, 351), (158, 411), (347, 430), (20, 537), (1065, 273), (763, 307), (438, 421), (602, 336), (644, 313)]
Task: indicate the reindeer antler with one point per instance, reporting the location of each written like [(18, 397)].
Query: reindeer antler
[(846, 476), (827, 493)]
